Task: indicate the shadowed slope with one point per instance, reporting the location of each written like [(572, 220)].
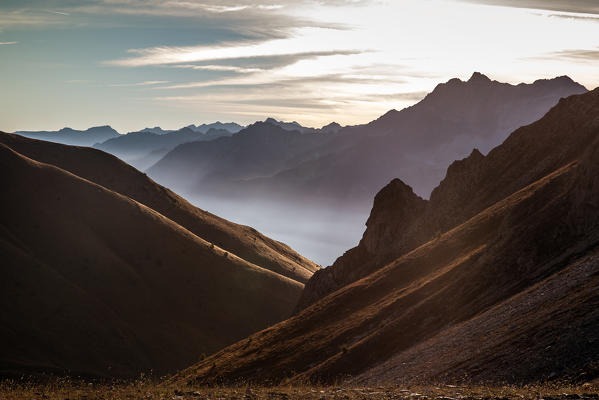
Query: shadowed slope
[(110, 172), (96, 283), (470, 186), (543, 235), (350, 166)]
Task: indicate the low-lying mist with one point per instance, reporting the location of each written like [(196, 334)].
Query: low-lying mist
[(317, 231)]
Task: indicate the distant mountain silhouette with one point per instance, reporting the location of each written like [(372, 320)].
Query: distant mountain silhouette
[(156, 130), (74, 137), (143, 149), (106, 273), (232, 127), (254, 152), (353, 163), (493, 280), (333, 127), (334, 175)]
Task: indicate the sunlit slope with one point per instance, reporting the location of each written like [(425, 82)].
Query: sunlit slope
[(400, 221), (410, 318)]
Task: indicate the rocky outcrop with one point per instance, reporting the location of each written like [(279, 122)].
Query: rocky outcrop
[(507, 295), (470, 186), (390, 231)]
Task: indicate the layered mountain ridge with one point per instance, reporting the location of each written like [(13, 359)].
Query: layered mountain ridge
[(338, 172), (75, 137), (143, 149), (500, 289), (107, 274)]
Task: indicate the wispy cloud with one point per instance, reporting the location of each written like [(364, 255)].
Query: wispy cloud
[(144, 83), (27, 17), (580, 17), (571, 6), (577, 54), (57, 12), (6, 43), (279, 78), (220, 68), (278, 47)]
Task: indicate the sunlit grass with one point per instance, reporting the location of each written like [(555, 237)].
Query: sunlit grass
[(147, 389)]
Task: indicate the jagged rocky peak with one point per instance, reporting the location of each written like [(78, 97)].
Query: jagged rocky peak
[(396, 207)]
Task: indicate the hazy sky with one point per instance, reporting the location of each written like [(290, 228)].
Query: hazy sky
[(134, 63)]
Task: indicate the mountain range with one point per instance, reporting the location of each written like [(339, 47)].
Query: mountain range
[(493, 280), (227, 126), (74, 137), (336, 173), (143, 149), (106, 273)]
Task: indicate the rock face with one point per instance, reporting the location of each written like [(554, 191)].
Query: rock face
[(396, 210), (475, 183), (506, 291)]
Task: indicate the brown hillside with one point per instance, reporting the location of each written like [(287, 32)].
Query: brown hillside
[(93, 282), (482, 274), (470, 186), (110, 172)]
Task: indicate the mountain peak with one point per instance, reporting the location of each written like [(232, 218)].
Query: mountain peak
[(479, 77)]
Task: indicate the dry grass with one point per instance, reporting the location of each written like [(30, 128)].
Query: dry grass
[(63, 389)]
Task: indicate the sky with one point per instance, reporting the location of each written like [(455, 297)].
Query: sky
[(133, 64)]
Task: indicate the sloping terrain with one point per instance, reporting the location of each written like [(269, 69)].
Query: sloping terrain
[(430, 311), (113, 174), (471, 185), (95, 283)]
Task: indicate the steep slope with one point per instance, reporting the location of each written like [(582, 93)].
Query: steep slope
[(416, 144), (143, 149), (470, 186), (332, 176), (417, 313), (74, 137), (95, 283), (113, 174)]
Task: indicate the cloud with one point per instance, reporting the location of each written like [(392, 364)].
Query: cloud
[(29, 18), (57, 12), (181, 55), (571, 6), (220, 68), (144, 83), (7, 43), (585, 17), (262, 19), (276, 79), (577, 54)]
